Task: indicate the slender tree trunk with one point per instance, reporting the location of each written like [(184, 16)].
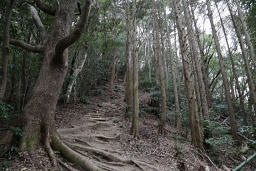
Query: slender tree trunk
[(196, 130), (195, 56), (199, 84), (178, 70), (166, 78), (245, 59), (241, 100), (113, 73), (148, 57), (174, 84), (161, 71), (224, 74), (246, 33), (5, 48), (129, 70), (156, 67), (76, 71), (135, 119), (202, 64), (12, 94)]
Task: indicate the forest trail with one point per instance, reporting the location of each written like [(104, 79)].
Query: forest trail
[(97, 135), (99, 131)]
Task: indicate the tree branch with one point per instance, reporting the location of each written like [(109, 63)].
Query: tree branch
[(29, 47), (49, 9), (82, 24), (37, 21), (217, 75)]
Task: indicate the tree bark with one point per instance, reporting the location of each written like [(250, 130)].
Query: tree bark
[(129, 68), (196, 130), (161, 70), (203, 62), (224, 74), (195, 56), (37, 117), (74, 75), (5, 48), (135, 119), (172, 67), (113, 73)]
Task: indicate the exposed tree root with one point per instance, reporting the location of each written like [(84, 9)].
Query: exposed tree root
[(49, 150), (67, 166), (99, 119), (110, 158), (107, 156), (82, 142), (107, 139), (72, 155), (72, 130)]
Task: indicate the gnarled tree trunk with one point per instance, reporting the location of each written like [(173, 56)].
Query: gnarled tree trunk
[(37, 117)]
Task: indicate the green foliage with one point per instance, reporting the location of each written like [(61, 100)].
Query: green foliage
[(220, 133), (215, 127), (4, 164), (225, 139), (17, 131), (84, 99), (5, 110), (185, 117), (221, 108)]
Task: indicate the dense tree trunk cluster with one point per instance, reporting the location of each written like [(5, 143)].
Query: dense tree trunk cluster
[(160, 47)]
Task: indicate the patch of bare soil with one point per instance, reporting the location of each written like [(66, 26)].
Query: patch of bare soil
[(100, 132)]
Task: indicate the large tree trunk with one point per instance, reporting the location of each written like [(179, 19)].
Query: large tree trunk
[(196, 130), (5, 48), (37, 117), (224, 74), (161, 71), (241, 99), (38, 113)]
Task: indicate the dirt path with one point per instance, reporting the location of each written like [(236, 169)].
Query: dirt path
[(99, 131)]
